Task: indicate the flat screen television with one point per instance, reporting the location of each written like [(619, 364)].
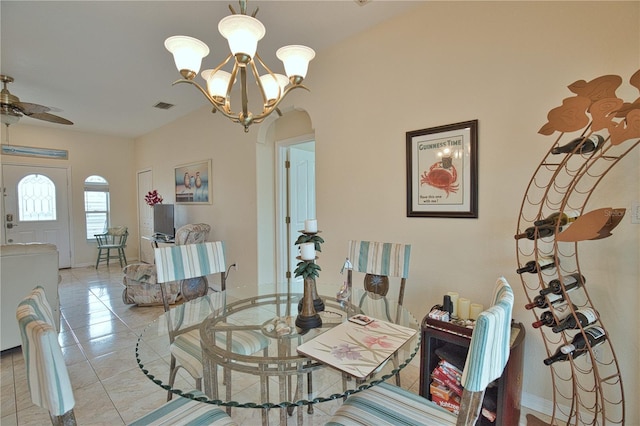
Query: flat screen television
[(163, 219)]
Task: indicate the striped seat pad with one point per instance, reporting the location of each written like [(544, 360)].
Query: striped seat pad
[(47, 375), (489, 349), (184, 411), (189, 261), (186, 347), (389, 405), (388, 259)]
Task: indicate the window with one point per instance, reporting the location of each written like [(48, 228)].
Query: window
[(36, 198), (96, 205)]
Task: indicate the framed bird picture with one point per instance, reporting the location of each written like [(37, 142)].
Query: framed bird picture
[(193, 183)]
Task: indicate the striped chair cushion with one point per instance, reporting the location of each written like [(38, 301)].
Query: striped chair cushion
[(186, 347), (38, 302), (489, 348), (47, 375), (175, 263), (184, 411), (389, 259), (389, 405)]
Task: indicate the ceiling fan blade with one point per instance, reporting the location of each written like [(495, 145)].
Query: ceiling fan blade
[(29, 108), (49, 117)]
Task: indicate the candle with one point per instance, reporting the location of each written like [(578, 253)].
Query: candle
[(474, 310), (463, 308), (311, 226), (308, 251), (454, 302)]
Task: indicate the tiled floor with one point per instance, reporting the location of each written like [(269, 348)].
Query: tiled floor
[(98, 337)]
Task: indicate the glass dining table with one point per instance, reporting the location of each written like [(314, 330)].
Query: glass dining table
[(275, 375)]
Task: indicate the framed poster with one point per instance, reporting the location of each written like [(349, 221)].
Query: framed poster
[(442, 171), (193, 183)]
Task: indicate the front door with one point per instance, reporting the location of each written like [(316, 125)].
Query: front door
[(36, 207)]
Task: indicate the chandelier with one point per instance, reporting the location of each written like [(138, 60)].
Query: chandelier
[(243, 33)]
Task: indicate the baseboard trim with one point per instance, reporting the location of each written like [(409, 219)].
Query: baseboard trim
[(544, 406)]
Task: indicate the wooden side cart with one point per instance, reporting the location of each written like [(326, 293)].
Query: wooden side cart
[(507, 389)]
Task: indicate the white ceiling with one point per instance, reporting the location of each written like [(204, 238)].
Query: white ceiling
[(103, 65)]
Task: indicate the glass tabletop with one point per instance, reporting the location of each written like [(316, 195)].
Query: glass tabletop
[(248, 346)]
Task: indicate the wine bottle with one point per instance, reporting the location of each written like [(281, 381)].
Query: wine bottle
[(558, 218), (544, 301), (587, 145), (547, 318), (534, 232), (578, 346), (571, 282), (582, 318), (543, 263)]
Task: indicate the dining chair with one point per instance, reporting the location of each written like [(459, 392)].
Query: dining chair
[(51, 388), (114, 239), (190, 261), (193, 233), (378, 262), (386, 404)]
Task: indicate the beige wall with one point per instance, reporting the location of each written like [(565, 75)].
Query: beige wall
[(503, 63), (506, 64), (89, 154)]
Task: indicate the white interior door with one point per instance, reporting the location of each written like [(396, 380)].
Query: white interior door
[(145, 215), (36, 207), (302, 194)]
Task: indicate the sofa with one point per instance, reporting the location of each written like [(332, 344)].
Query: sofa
[(140, 285), (23, 267)]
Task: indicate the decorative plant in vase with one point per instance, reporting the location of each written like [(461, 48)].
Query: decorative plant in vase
[(153, 198)]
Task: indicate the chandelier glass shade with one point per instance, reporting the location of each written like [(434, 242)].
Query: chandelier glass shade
[(242, 33)]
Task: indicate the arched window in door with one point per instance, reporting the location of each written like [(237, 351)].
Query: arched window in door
[(36, 198), (96, 205)]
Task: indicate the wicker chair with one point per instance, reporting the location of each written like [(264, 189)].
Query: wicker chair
[(140, 279)]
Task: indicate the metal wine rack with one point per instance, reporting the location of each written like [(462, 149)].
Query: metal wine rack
[(587, 389)]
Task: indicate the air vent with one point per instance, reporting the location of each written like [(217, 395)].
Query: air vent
[(163, 105)]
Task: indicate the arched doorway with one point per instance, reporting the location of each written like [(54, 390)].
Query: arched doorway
[(286, 191)]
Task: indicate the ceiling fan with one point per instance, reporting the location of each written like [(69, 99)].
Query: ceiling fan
[(11, 109)]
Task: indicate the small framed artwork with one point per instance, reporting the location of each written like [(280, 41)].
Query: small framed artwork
[(442, 171), (193, 183)]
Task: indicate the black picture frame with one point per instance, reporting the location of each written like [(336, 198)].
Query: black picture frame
[(442, 171)]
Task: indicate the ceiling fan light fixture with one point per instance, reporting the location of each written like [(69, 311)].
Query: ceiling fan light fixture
[(11, 109), (8, 117)]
